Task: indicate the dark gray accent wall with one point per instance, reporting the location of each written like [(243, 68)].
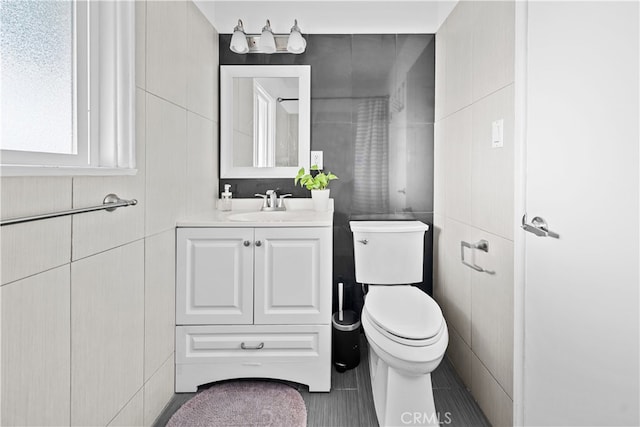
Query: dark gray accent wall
[(346, 71)]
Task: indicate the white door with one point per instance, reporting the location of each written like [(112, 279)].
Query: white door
[(580, 311), (293, 275), (214, 276)]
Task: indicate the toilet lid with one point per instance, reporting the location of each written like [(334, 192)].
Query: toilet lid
[(404, 311)]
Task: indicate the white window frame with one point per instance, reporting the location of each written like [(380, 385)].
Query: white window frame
[(104, 95)]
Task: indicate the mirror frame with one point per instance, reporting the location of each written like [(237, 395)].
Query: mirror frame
[(227, 73)]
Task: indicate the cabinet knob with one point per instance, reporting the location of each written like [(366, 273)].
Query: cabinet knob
[(258, 243), (246, 243)]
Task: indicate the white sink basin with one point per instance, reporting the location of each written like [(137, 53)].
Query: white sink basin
[(276, 216)]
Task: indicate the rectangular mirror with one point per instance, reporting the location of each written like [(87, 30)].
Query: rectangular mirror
[(264, 120)]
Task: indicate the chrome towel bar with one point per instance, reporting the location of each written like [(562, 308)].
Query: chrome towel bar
[(110, 203)]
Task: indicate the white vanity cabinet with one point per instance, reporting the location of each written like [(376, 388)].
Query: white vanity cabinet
[(253, 302)]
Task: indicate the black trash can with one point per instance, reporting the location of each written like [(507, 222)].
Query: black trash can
[(346, 340)]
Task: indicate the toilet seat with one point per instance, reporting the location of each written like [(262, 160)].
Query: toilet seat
[(404, 314)]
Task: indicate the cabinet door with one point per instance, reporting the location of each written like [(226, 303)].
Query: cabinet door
[(293, 275), (214, 276)]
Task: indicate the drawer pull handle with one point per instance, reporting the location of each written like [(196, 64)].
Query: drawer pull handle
[(258, 347)]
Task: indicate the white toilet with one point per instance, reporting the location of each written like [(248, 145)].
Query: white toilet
[(405, 329)]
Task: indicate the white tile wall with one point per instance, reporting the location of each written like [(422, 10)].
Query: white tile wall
[(166, 50), (158, 390), (202, 179), (141, 43), (457, 91), (141, 137), (48, 242), (107, 333), (457, 284), (98, 231), (202, 45), (459, 353), (35, 350), (122, 269), (473, 197), (439, 168), (491, 308), (495, 403), (166, 164), (492, 169), (456, 142), (159, 300), (441, 74), (439, 270), (493, 46), (131, 414)]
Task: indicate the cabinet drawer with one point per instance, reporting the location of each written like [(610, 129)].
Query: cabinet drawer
[(203, 344), (299, 353)]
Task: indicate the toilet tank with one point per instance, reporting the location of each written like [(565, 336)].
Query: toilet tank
[(388, 252)]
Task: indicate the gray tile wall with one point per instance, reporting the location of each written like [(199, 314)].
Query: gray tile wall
[(345, 69)]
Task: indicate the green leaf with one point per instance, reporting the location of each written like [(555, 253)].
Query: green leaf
[(298, 176)]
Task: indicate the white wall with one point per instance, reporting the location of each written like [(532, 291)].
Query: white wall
[(88, 301), (473, 197)]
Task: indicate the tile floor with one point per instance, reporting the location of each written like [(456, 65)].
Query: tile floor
[(350, 402)]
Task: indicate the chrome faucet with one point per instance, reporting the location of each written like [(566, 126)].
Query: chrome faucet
[(273, 198), (271, 201)]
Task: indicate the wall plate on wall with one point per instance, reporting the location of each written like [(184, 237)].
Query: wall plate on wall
[(497, 133), (316, 159)]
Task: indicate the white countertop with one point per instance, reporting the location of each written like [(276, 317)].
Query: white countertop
[(299, 213)]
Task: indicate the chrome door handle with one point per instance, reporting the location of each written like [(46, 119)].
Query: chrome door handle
[(538, 227), (483, 246), (258, 347), (363, 241)]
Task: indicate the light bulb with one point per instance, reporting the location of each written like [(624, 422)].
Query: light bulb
[(296, 43), (267, 42), (239, 39)]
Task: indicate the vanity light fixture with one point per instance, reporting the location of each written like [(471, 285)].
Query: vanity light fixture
[(267, 42)]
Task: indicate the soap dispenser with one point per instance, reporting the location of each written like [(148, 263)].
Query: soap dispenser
[(225, 201)]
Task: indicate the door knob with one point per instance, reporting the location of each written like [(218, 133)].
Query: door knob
[(538, 227), (246, 243), (258, 243)]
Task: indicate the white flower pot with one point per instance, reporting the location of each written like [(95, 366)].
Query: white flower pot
[(320, 200)]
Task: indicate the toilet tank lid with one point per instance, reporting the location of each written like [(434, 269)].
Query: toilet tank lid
[(388, 226)]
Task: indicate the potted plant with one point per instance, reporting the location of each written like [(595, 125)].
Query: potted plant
[(317, 184)]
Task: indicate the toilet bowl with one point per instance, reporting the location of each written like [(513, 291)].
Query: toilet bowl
[(403, 353), (406, 331)]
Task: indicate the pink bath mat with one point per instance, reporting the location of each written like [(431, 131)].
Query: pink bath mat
[(243, 403)]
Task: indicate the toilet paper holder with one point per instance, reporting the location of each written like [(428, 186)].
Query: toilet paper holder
[(481, 245)]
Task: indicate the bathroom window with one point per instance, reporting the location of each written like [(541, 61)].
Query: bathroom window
[(67, 87)]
